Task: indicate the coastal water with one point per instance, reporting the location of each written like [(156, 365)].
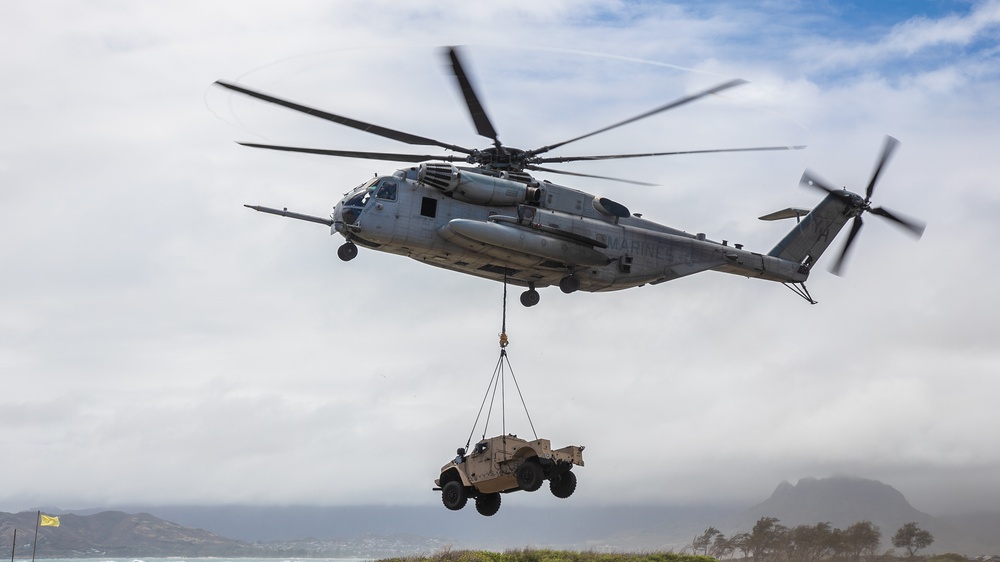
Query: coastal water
[(183, 559)]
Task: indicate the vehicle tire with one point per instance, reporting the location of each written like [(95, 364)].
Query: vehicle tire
[(453, 495), (530, 476), (347, 252), (530, 298), (564, 485), (488, 504), (569, 284)]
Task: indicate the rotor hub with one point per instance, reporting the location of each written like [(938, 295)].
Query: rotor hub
[(856, 205), (502, 158)]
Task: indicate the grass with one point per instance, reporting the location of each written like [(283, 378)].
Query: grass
[(533, 555)]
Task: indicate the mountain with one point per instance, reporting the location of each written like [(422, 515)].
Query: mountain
[(842, 501), (115, 533), (372, 532), (516, 525), (839, 500)]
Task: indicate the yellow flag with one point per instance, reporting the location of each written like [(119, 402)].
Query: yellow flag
[(49, 521)]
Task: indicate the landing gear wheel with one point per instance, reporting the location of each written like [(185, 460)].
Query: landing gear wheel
[(569, 284), (453, 495), (564, 485), (530, 476), (347, 251), (488, 504), (530, 298)]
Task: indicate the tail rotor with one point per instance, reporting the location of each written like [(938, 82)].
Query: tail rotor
[(858, 206)]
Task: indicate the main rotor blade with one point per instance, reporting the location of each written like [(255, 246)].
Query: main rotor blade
[(671, 105), (887, 150), (565, 173), (913, 226), (812, 181), (559, 159), (482, 121), (390, 156), (855, 228), (346, 121)]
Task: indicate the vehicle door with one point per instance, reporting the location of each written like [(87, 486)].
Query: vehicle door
[(480, 464)]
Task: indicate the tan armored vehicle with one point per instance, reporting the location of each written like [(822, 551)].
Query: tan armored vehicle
[(505, 464)]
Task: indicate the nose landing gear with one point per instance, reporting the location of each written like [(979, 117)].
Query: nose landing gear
[(348, 251)]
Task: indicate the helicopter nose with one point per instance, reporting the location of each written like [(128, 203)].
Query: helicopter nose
[(338, 218)]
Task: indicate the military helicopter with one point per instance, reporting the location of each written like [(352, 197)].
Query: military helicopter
[(488, 216)]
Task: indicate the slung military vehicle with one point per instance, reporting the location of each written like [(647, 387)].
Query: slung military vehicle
[(505, 464), (491, 218)]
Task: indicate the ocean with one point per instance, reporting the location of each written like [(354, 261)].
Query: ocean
[(186, 559)]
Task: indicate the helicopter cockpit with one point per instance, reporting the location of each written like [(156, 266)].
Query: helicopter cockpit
[(357, 199)]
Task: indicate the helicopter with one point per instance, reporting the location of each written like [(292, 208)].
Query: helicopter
[(480, 212)]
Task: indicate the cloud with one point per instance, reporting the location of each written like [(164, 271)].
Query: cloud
[(940, 40), (164, 344)]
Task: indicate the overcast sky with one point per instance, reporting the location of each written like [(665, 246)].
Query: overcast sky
[(160, 343)]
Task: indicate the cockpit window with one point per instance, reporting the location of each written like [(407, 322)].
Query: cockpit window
[(382, 188), (358, 199), (387, 190), (361, 194)]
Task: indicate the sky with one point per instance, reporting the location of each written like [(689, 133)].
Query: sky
[(162, 344)]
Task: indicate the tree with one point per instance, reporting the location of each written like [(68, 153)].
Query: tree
[(721, 547), (741, 542), (862, 538), (704, 541), (912, 538), (809, 544), (838, 544), (766, 537)]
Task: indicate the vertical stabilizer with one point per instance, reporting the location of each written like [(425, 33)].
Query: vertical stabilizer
[(810, 237)]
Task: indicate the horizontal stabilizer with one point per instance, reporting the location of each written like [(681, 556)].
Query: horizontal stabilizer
[(788, 213)]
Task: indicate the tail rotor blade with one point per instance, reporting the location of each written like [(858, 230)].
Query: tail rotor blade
[(809, 179), (839, 264), (913, 226), (887, 150)]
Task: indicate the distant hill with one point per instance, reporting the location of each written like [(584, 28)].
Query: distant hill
[(114, 533), (842, 500), (386, 531), (839, 500), (563, 525)]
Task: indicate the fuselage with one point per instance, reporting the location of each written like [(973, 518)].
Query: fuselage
[(532, 233)]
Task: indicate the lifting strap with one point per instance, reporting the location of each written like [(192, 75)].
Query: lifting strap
[(497, 383)]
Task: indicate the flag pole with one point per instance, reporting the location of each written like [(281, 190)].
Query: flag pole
[(12, 545), (38, 518)]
